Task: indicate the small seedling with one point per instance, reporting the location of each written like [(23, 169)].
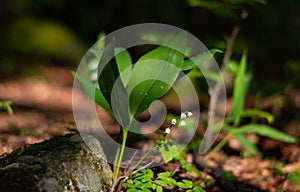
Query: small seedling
[(232, 123), (6, 105)]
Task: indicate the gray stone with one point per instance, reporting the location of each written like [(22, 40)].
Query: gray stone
[(63, 163)]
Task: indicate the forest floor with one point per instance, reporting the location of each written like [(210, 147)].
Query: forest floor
[(43, 108)]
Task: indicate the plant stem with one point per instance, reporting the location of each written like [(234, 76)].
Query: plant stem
[(220, 145), (125, 133), (139, 162), (116, 159)]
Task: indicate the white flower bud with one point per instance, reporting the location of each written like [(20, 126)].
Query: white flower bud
[(168, 130), (183, 116), (189, 114), (173, 122), (182, 123), (93, 65), (94, 76)]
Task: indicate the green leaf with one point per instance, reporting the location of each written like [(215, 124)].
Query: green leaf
[(278, 172), (159, 189), (154, 74), (145, 189), (6, 105), (239, 91), (259, 113), (107, 71), (164, 175), (185, 184), (232, 67), (246, 143), (149, 81), (129, 185), (169, 52), (198, 188), (133, 190), (210, 75), (294, 177), (124, 64), (92, 92), (199, 59), (166, 181), (168, 152), (267, 131), (147, 175), (230, 176)]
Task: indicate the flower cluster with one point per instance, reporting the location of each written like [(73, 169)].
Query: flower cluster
[(181, 122)]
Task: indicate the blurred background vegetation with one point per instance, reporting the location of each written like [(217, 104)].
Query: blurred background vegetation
[(56, 32)]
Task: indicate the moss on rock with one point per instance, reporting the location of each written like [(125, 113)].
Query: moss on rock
[(63, 163)]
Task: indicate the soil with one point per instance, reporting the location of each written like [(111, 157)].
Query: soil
[(42, 107)]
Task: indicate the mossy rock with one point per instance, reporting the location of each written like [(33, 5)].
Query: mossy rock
[(63, 163)]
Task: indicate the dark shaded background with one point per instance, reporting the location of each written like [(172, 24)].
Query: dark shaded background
[(55, 32)]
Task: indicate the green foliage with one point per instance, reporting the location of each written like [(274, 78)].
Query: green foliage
[(42, 38), (294, 177), (225, 8), (188, 167), (151, 77), (168, 151), (241, 84), (233, 125), (265, 130), (146, 180), (6, 105), (146, 81)]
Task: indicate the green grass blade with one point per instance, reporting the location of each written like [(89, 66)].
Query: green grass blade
[(239, 91), (246, 143), (266, 131), (259, 113)]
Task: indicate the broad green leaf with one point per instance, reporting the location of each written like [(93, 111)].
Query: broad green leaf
[(199, 59), (150, 80), (267, 131), (239, 91), (168, 152), (92, 92), (154, 74), (171, 52), (259, 113), (124, 64), (246, 143), (107, 71), (119, 103)]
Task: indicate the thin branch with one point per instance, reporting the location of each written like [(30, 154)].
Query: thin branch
[(230, 41)]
